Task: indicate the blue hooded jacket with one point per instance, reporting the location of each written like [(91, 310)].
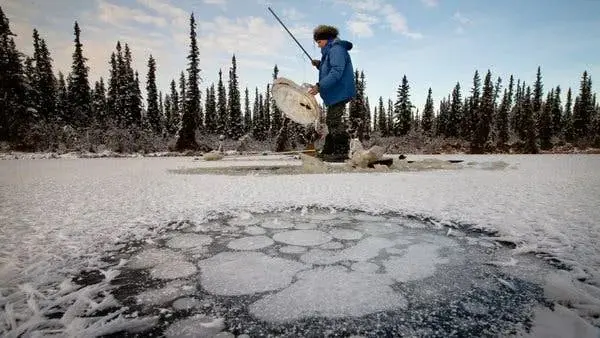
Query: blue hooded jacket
[(336, 74)]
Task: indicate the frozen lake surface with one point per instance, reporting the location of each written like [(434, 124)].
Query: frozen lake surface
[(496, 245)]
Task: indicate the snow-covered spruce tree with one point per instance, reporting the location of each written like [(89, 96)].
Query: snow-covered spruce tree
[(45, 81), (221, 106), (14, 117), (483, 123), (234, 104), (402, 109), (182, 96), (152, 111), (62, 98), (78, 86), (187, 133), (247, 112), (99, 103), (428, 112)]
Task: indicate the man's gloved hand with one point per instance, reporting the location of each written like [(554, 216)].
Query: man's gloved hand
[(316, 63)]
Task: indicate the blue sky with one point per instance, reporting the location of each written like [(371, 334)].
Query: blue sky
[(435, 43)]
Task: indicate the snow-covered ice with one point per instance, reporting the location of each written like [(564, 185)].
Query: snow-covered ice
[(302, 237), (330, 292), (246, 273), (250, 243), (81, 238)]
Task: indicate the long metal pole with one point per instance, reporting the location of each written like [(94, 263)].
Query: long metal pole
[(290, 33)]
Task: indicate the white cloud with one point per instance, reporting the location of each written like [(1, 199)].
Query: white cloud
[(252, 35), (431, 3), (362, 5), (178, 17), (117, 15), (398, 23), (463, 20), (361, 24)]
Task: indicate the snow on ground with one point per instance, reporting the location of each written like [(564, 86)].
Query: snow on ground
[(59, 217)]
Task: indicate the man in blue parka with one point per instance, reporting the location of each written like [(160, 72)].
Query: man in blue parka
[(336, 87)]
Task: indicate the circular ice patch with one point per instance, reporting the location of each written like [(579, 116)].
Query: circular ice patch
[(346, 234), (186, 241), (173, 270), (365, 267), (255, 231), (250, 243), (153, 257), (277, 223), (245, 273), (303, 237), (196, 326)]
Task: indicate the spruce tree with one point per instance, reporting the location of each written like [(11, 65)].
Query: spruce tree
[(113, 94), (528, 124), (187, 133), (584, 110), (99, 103), (45, 84), (485, 113), (13, 114), (152, 113), (557, 122), (221, 106), (62, 98), (538, 93), (267, 112), (211, 115), (454, 118), (357, 106), (402, 109), (175, 117), (235, 107), (277, 118), (78, 86), (182, 93), (472, 110), (441, 120), (427, 121), (545, 123), (568, 118), (368, 123), (502, 125), (247, 112), (382, 123)]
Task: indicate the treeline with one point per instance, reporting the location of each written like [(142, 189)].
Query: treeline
[(492, 118), (43, 111)]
